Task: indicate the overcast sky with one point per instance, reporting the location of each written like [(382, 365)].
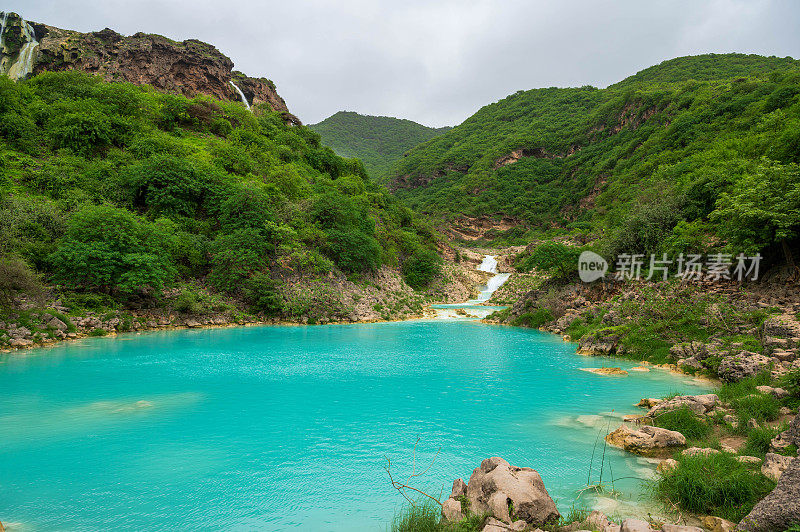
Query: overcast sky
[(438, 61)]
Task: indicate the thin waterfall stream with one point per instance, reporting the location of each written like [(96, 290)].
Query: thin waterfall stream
[(241, 95)]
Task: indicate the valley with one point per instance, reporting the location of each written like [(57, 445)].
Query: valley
[(383, 285)]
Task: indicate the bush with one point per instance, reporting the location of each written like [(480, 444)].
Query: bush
[(261, 294), (421, 268), (791, 382), (685, 421), (717, 484), (17, 278), (534, 319), (353, 251), (555, 258)]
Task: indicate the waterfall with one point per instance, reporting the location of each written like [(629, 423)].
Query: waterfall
[(241, 94), (489, 265), (3, 29), (23, 65)]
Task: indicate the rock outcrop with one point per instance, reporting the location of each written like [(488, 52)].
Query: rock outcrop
[(645, 440), (745, 364), (699, 404), (189, 68), (505, 492), (774, 465), (790, 436), (781, 508)]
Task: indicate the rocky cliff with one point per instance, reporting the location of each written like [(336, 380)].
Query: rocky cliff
[(189, 68)]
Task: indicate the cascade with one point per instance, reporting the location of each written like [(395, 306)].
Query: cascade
[(23, 65), (241, 94), (489, 264)]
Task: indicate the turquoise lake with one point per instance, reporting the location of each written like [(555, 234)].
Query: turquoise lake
[(286, 428)]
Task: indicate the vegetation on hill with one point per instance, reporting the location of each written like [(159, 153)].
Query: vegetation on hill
[(709, 67), (648, 168), (379, 141), (123, 192)]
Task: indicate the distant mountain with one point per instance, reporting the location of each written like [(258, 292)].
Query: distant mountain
[(379, 141)]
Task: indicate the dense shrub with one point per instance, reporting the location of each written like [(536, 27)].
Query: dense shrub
[(421, 268)]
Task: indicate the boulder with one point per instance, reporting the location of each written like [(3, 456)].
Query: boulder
[(754, 460), (646, 439), (782, 326), (699, 404), (779, 393), (495, 525), (598, 520), (667, 465), (648, 402), (57, 324), (745, 364), (781, 508), (680, 528), (697, 451), (635, 525), (459, 488), (496, 484), (790, 436), (774, 465), (451, 511), (695, 350), (717, 524), (20, 342)]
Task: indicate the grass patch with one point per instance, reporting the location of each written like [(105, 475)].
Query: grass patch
[(98, 332), (734, 390), (759, 407), (717, 485), (685, 421), (425, 517), (758, 441)]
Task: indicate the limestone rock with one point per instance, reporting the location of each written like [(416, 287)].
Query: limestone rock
[(598, 520), (648, 402), (646, 439), (745, 364), (699, 404), (697, 451), (790, 436), (451, 511), (680, 528), (781, 508), (667, 465), (459, 488), (495, 525), (774, 465), (496, 483), (717, 524), (635, 525)]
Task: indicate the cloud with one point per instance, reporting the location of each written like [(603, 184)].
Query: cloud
[(438, 61)]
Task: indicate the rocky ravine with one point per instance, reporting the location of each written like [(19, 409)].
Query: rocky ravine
[(189, 68)]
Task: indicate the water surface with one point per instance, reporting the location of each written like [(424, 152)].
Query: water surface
[(286, 428)]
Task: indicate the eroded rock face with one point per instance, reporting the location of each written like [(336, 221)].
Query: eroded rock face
[(646, 439), (781, 508), (189, 68), (497, 487)]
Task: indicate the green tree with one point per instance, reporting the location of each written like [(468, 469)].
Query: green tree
[(113, 251), (421, 268), (762, 209)]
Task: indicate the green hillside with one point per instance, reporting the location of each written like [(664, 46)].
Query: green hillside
[(118, 193), (379, 141), (691, 164), (709, 67)]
